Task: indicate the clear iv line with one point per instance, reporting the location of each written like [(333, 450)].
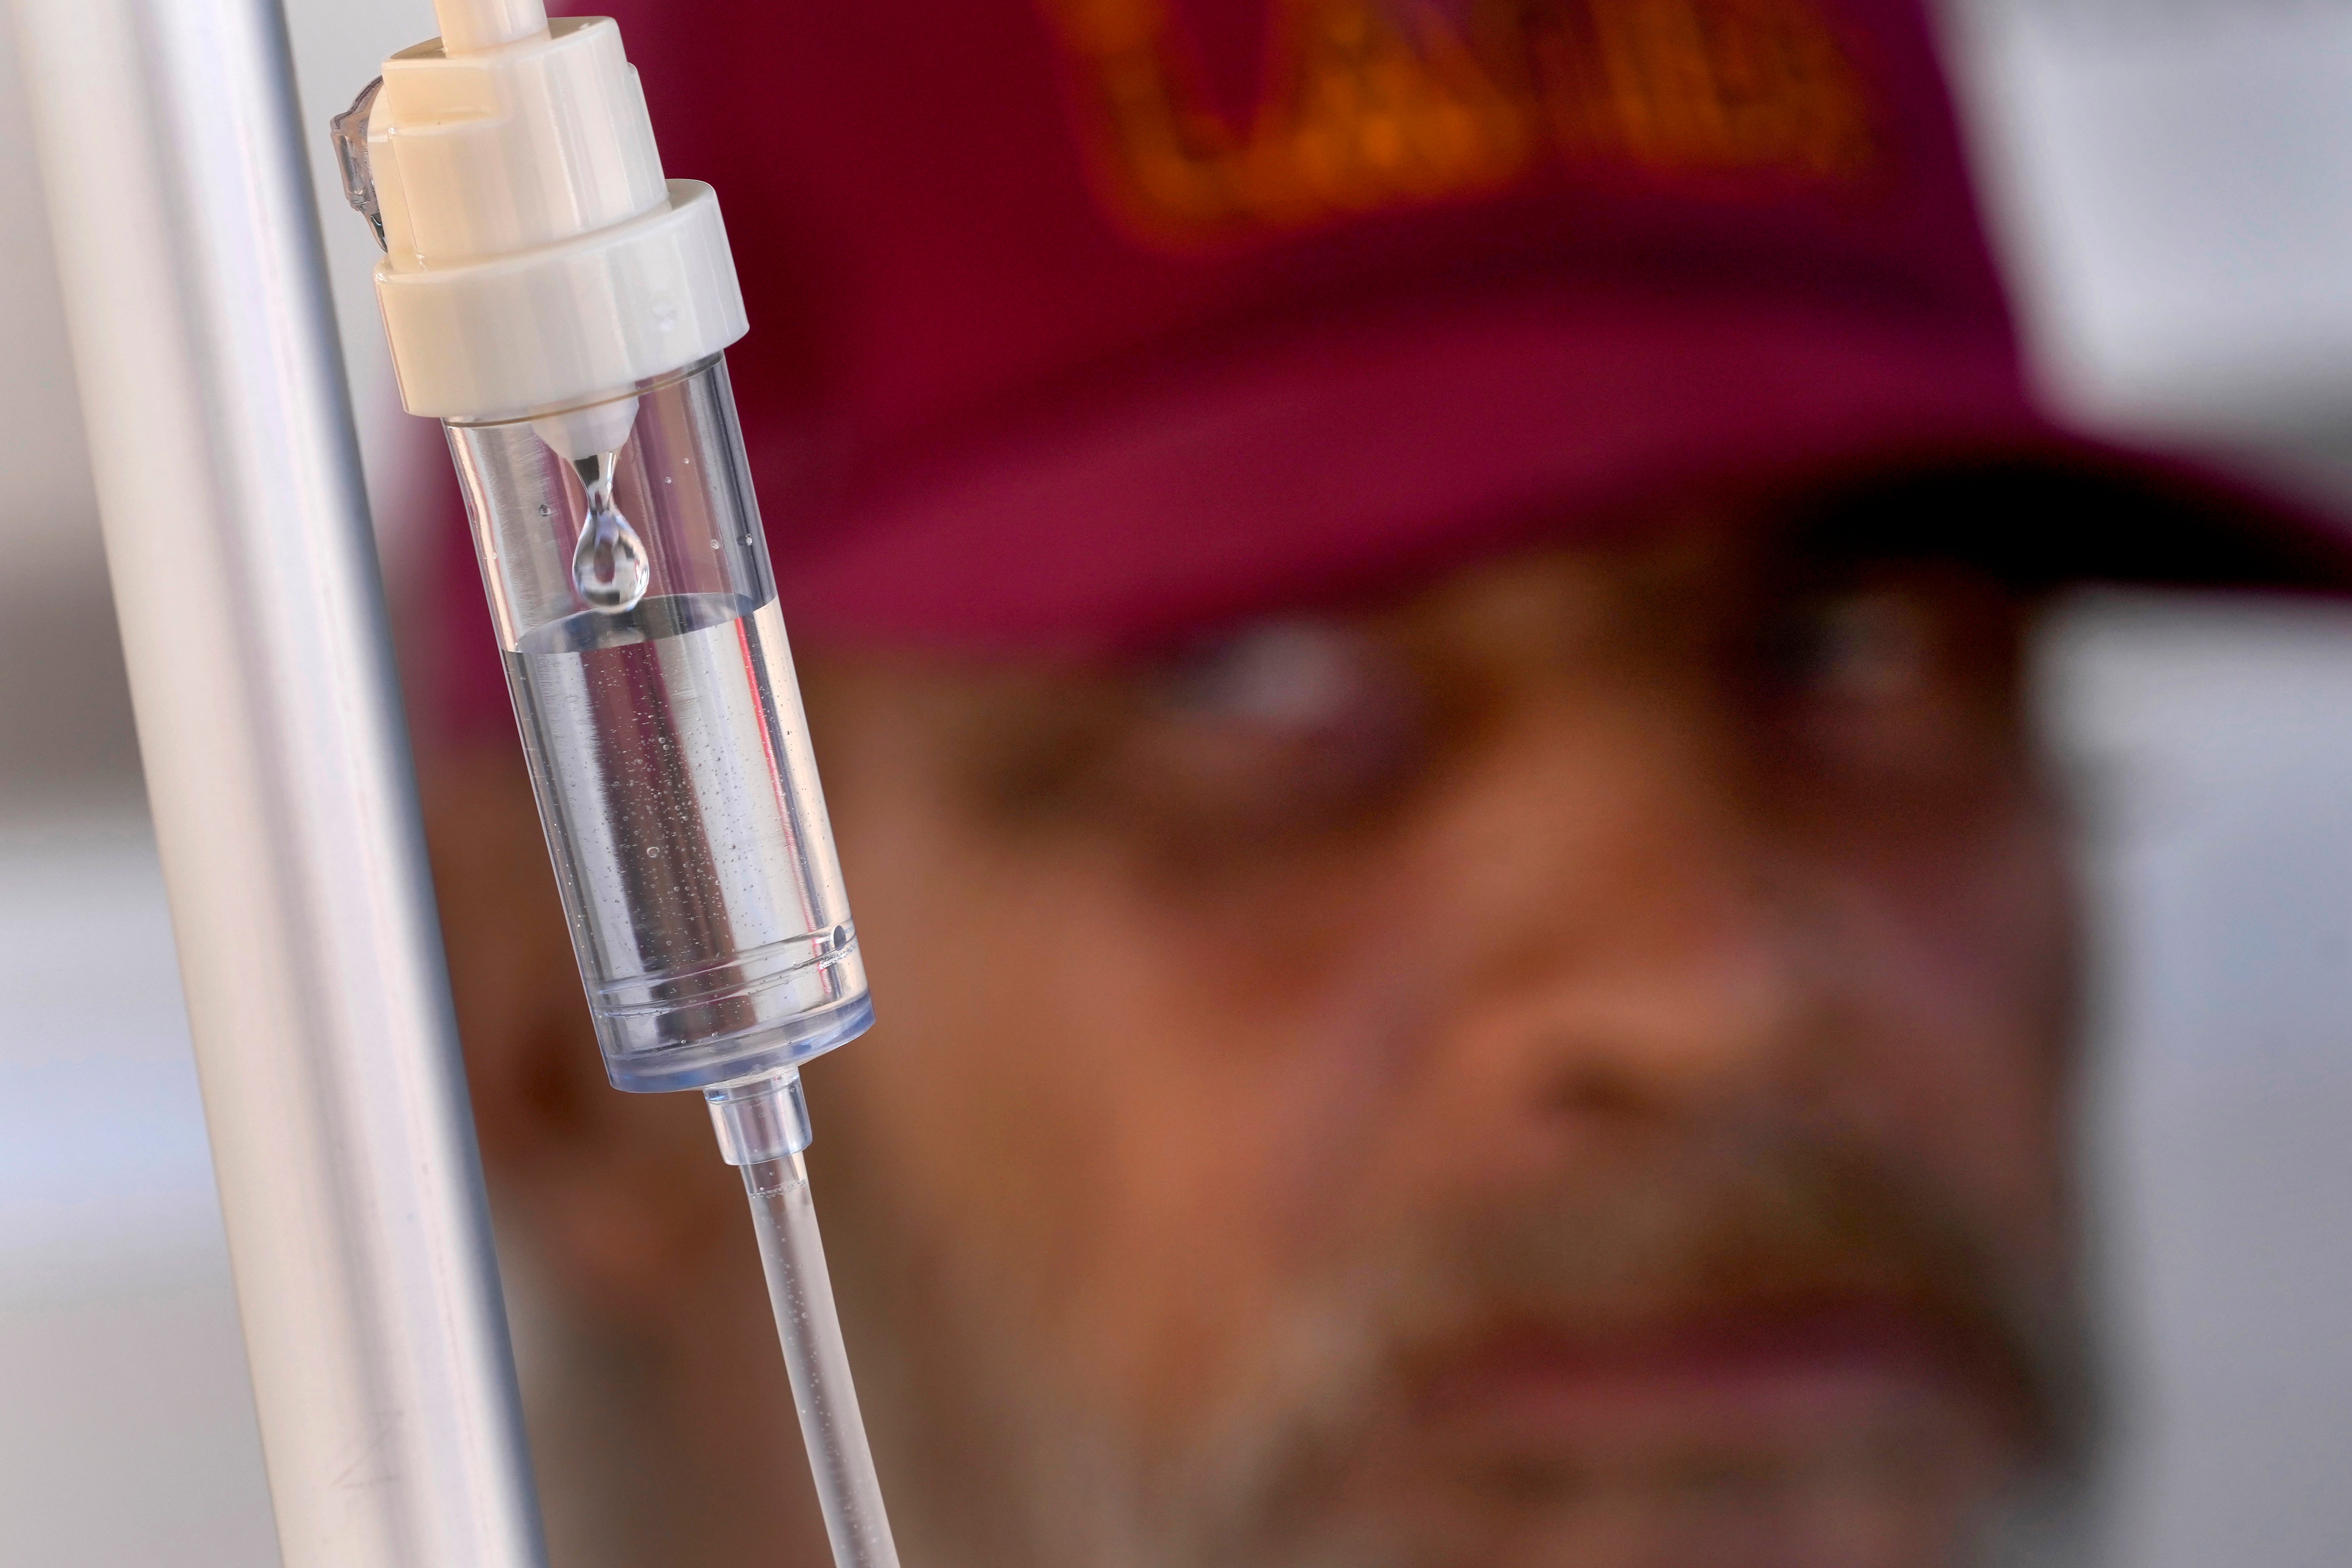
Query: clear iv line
[(762, 1126)]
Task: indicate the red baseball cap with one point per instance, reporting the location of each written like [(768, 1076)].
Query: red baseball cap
[(1078, 324)]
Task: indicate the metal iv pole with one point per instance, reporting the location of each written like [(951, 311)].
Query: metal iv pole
[(278, 773)]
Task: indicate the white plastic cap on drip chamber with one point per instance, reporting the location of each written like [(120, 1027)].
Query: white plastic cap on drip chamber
[(537, 265)]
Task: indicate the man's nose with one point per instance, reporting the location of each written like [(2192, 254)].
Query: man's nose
[(1626, 929)]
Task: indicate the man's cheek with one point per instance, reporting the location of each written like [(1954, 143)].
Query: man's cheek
[(1067, 1098), (1214, 1089), (1958, 988), (1227, 1111)]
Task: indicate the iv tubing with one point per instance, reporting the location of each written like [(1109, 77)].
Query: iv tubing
[(762, 1126)]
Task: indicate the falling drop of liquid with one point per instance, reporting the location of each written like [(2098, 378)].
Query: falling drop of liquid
[(608, 565)]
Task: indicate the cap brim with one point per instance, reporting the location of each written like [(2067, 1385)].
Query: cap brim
[(1365, 453)]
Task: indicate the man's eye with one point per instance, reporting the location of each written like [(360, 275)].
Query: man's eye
[(1911, 678), (1285, 727), (1863, 647)]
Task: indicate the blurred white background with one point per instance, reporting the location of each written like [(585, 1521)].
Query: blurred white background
[(2169, 182)]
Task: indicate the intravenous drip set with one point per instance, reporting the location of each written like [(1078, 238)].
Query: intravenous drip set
[(562, 309)]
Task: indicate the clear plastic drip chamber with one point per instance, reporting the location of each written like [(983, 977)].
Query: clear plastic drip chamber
[(667, 742), (561, 307)]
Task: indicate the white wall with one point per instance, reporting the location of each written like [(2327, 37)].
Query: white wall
[(2215, 761), (2170, 178)]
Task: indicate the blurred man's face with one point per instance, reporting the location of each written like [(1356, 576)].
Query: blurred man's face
[(1565, 1072)]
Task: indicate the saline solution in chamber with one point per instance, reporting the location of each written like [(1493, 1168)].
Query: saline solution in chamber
[(667, 746)]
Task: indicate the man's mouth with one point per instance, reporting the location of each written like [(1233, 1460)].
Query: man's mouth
[(1754, 1388)]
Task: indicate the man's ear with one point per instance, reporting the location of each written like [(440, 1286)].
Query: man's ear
[(625, 1194)]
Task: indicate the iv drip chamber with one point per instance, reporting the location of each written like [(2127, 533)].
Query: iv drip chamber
[(563, 308), (667, 743)]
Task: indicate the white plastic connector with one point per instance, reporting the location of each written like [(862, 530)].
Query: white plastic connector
[(469, 25), (535, 258)]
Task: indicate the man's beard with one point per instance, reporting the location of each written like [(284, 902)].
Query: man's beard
[(1327, 1449)]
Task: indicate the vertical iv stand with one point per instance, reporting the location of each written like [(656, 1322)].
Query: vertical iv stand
[(245, 578)]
